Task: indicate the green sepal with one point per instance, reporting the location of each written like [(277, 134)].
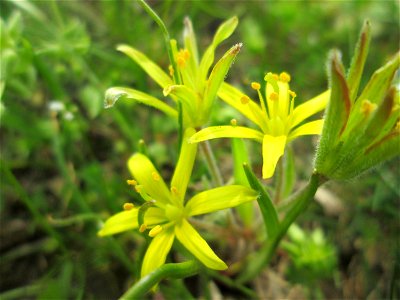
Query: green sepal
[(380, 82), (358, 61), (336, 116), (223, 32), (216, 78), (189, 40), (267, 208), (380, 116), (384, 149)]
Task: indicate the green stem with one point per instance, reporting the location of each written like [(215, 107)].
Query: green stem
[(167, 38), (177, 79), (301, 201), (279, 181), (173, 270), (211, 163)]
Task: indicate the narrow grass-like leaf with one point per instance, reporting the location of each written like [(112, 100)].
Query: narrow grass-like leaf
[(267, 208)]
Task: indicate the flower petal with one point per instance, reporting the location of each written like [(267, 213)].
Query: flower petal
[(314, 127), (273, 148), (215, 132), (250, 110), (193, 242), (157, 252), (310, 107), (115, 93), (183, 169), (146, 175), (151, 68), (219, 198), (122, 221)]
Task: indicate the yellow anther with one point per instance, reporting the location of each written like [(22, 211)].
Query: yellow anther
[(155, 230), (284, 77), (274, 96), (275, 76), (171, 70), (131, 182), (128, 206), (367, 107), (255, 86), (138, 188), (244, 99), (142, 227), (233, 122), (174, 190), (293, 94), (181, 61), (186, 54), (155, 176)]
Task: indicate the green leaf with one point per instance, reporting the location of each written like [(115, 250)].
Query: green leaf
[(358, 61), (267, 208)]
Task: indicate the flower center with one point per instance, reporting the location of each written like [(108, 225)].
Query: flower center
[(173, 213)]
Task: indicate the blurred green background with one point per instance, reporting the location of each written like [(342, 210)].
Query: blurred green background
[(63, 156)]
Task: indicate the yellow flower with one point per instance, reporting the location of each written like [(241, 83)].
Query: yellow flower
[(279, 121), (193, 87), (166, 214)]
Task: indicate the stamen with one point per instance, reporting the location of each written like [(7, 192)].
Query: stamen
[(234, 122), (244, 99), (293, 94), (128, 206), (181, 62), (284, 77), (171, 70), (143, 194), (186, 54), (272, 80), (142, 227), (274, 96), (155, 230), (131, 182), (367, 107), (255, 86), (155, 176)]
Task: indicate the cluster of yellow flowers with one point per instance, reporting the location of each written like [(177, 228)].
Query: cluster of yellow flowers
[(166, 213)]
